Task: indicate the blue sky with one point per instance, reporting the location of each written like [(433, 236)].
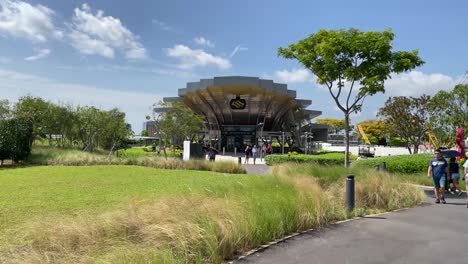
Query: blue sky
[(129, 54)]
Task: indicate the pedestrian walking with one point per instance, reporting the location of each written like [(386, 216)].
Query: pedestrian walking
[(438, 168), (454, 170), (269, 149), (212, 154), (254, 153), (248, 153)]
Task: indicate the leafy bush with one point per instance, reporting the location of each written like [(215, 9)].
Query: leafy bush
[(15, 139), (323, 159), (400, 164)]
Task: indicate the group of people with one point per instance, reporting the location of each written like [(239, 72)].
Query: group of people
[(444, 173), (252, 152)]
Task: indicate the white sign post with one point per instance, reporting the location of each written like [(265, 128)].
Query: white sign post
[(186, 155)]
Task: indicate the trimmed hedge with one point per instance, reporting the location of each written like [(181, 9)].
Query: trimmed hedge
[(322, 159), (400, 164)]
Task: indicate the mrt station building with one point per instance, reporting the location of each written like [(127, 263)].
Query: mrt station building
[(239, 111)]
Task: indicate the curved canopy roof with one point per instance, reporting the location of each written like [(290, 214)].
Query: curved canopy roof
[(255, 100)]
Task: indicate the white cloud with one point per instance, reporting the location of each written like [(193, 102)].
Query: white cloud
[(87, 45), (203, 42), (191, 58), (237, 49), (295, 76), (135, 104), (40, 55), (23, 20), (163, 25), (416, 83), (102, 35)]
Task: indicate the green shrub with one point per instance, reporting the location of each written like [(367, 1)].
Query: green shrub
[(322, 159), (400, 164), (15, 139)]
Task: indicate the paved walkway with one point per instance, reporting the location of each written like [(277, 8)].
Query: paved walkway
[(432, 233), (258, 168), (235, 159)]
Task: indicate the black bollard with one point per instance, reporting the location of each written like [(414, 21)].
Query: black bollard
[(239, 160), (384, 166), (350, 193), (376, 167)]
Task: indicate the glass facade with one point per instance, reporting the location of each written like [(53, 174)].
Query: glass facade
[(237, 137)]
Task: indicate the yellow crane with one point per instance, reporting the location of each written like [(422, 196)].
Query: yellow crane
[(363, 135), (433, 139)]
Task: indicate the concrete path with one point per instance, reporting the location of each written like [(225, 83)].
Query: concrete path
[(432, 233), (235, 159), (258, 169)]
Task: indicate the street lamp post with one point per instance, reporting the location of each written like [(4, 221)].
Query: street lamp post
[(282, 145), (261, 139)]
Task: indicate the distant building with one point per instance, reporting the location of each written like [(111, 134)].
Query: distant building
[(240, 110), (339, 139), (150, 126)]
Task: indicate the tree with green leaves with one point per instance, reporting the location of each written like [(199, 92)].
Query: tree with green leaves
[(35, 109), (352, 65), (407, 118), (449, 111), (178, 123), (5, 111), (15, 139), (334, 125)]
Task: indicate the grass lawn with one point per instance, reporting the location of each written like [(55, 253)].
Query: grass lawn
[(132, 214), (35, 191)]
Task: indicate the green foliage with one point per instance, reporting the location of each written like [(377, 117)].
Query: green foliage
[(322, 159), (178, 123), (144, 133), (449, 111), (407, 118), (398, 164), (5, 110), (374, 129), (364, 59), (334, 125), (35, 109), (275, 145), (15, 139), (64, 125), (396, 142)]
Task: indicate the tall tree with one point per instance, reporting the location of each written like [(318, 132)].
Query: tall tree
[(35, 109), (352, 65), (449, 111), (178, 123), (334, 125), (408, 118)]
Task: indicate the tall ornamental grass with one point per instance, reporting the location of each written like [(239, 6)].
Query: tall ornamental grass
[(73, 157)]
